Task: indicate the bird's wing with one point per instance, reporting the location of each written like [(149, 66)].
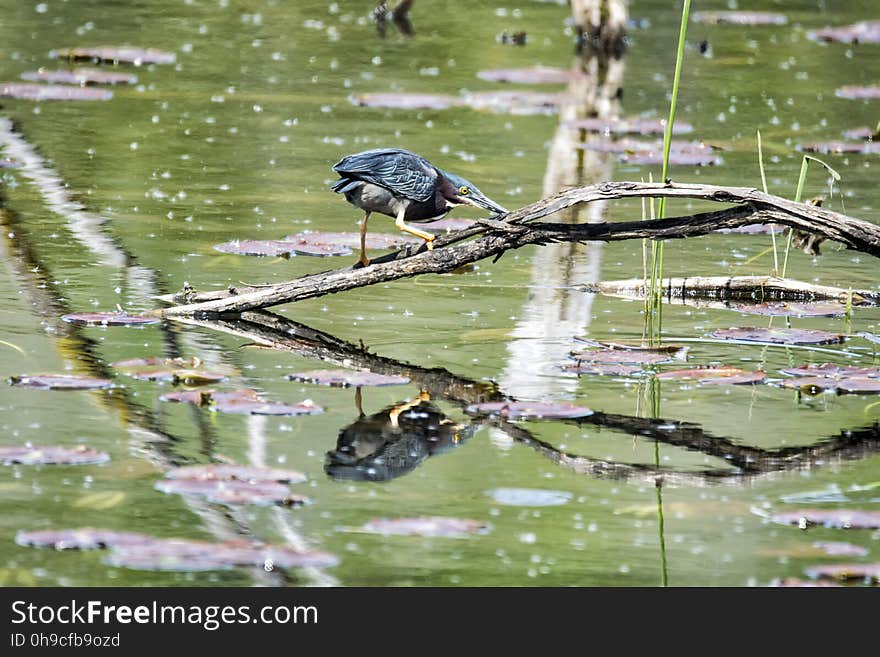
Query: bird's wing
[(404, 173)]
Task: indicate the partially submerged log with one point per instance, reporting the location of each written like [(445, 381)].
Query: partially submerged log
[(518, 228)]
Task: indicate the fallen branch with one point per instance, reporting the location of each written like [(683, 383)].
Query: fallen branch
[(512, 233)]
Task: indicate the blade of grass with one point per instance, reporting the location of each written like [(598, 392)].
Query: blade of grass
[(764, 185)]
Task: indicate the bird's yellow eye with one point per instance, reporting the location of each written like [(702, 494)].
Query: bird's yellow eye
[(464, 191)]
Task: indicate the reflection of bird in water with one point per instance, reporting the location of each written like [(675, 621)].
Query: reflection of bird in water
[(393, 441)]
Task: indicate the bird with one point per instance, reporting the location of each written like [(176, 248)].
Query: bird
[(406, 186)]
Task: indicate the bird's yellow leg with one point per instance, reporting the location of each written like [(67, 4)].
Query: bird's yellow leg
[(395, 412), (364, 260), (406, 228)]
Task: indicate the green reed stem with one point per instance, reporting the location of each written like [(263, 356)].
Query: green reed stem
[(764, 185)]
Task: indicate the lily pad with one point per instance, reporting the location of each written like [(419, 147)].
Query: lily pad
[(862, 132), (51, 455), (86, 538), (121, 54), (407, 101), (859, 385), (154, 361), (59, 382), (529, 410), (347, 378), (427, 527), (811, 385), (30, 91), (715, 375), (353, 240), (866, 572), (447, 225), (280, 248), (858, 93), (832, 518), (205, 397), (626, 356), (233, 491), (529, 496), (677, 158), (752, 229), (259, 407), (778, 335), (533, 75), (81, 76), (182, 377), (633, 125), (516, 102), (603, 369), (739, 18), (861, 32), (840, 549), (634, 345), (783, 308), (837, 146), (832, 370), (229, 472), (109, 319)]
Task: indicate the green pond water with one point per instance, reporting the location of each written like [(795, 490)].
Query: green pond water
[(236, 141)]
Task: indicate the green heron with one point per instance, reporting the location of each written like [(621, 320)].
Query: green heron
[(405, 186)]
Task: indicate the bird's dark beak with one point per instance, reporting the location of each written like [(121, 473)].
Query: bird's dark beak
[(484, 202)]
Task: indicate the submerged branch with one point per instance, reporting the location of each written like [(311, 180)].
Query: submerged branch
[(516, 230)]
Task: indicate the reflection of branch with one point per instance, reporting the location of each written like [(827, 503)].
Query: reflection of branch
[(272, 331), (755, 207)]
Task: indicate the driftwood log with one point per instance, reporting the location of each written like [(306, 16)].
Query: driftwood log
[(520, 228)]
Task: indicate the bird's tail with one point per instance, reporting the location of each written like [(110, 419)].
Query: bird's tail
[(343, 185)]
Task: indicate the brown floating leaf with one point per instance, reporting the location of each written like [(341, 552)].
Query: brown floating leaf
[(858, 93), (204, 397), (353, 240), (108, 319), (228, 472), (428, 527), (634, 125), (59, 382), (833, 518), (836, 146), (280, 248), (868, 572), (839, 549), (752, 229), (740, 17), (259, 407), (190, 556), (51, 455), (516, 102), (233, 491), (529, 410), (862, 32), (811, 385), (778, 335), (715, 375), (786, 309), (185, 377), (533, 75), (862, 132), (447, 225), (627, 356), (859, 385), (80, 76), (632, 151), (29, 91), (125, 54), (603, 369), (346, 378), (832, 370), (407, 101), (634, 345), (678, 158), (86, 538)]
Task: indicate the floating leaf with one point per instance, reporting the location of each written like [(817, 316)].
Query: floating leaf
[(516, 102), (634, 125), (839, 549), (80, 76), (862, 32), (786, 309), (280, 248), (752, 229), (259, 407), (867, 572), (184, 377), (851, 384), (51, 455), (447, 225), (793, 582), (634, 346), (859, 385), (86, 538), (108, 319), (832, 370), (427, 527), (124, 54), (647, 152), (714, 375), (866, 147), (233, 491), (778, 335), (228, 472), (30, 91), (833, 518), (204, 397), (59, 382), (353, 240), (627, 356), (739, 17), (154, 361), (529, 496), (407, 101), (533, 75), (529, 410), (862, 132), (603, 369), (346, 378), (858, 93)]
